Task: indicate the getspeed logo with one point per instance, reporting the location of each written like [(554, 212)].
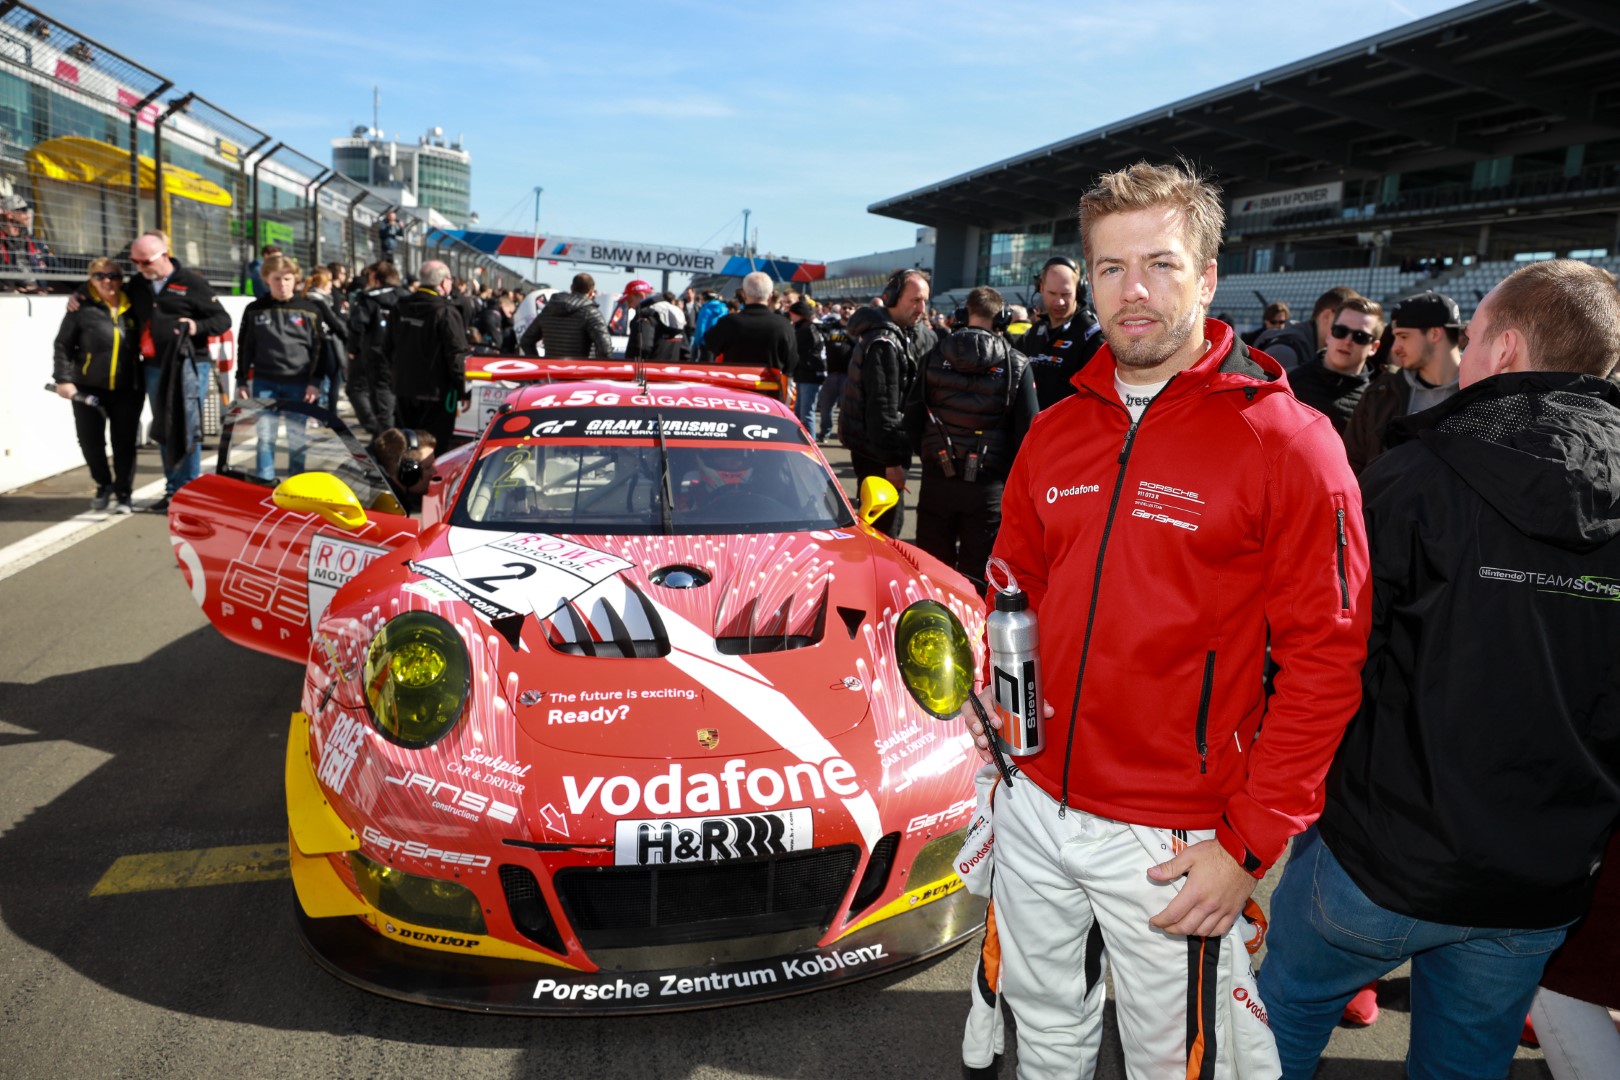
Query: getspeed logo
[(735, 787)]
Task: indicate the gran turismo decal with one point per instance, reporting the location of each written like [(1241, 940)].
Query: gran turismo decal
[(735, 787), (677, 840), (456, 800)]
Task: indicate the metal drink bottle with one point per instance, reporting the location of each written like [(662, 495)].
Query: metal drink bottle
[(1015, 670)]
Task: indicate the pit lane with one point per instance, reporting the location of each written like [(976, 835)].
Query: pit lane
[(130, 730)]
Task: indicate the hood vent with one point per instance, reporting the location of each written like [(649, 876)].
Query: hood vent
[(633, 630), (749, 632)]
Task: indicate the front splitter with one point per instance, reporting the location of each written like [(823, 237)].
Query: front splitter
[(350, 950)]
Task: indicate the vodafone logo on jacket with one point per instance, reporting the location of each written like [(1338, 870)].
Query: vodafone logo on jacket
[(1054, 493)]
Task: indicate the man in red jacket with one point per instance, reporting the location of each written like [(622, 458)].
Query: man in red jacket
[(1168, 518)]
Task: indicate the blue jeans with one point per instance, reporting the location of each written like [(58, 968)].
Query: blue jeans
[(805, 406), (831, 391), (1471, 987), (177, 475), (265, 428)]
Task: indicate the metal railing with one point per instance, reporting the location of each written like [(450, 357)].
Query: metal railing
[(95, 150)]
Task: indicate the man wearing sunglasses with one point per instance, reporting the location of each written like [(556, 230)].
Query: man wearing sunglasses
[(1428, 327), (1334, 380)]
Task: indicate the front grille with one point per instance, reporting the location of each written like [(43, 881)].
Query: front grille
[(617, 906), (527, 905)]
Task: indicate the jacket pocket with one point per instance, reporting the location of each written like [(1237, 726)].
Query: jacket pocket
[(1341, 548), (1201, 733)]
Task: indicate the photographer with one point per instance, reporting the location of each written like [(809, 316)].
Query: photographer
[(97, 355)]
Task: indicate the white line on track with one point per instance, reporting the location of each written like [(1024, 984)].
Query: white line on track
[(15, 558)]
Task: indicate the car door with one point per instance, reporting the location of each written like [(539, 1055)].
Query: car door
[(263, 574)]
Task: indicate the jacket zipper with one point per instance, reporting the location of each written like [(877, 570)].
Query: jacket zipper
[(1344, 581), (1096, 584), (1203, 711)]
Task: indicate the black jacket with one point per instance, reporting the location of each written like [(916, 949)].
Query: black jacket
[(185, 295), (871, 410), (973, 394), (840, 346), (657, 332), (570, 325), (1056, 355), (1479, 781), (1291, 344), (370, 315), (427, 348), (283, 341), (97, 348), (1330, 393), (807, 343), (754, 335), (495, 326)]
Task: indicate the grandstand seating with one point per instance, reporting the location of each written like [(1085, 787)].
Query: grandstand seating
[(1235, 293)]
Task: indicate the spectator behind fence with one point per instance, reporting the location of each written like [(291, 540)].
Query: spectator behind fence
[(389, 233), (255, 270), (178, 313), (1472, 796), (98, 354), (23, 255), (371, 376), (569, 324), (281, 351), (427, 346)]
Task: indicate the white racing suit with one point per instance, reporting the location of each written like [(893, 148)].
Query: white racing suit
[(1064, 890)]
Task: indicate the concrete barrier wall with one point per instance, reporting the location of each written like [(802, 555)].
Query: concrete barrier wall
[(36, 428)]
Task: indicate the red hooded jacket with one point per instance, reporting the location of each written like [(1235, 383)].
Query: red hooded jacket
[(1157, 560)]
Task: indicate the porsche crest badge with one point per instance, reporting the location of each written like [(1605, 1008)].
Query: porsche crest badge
[(708, 737)]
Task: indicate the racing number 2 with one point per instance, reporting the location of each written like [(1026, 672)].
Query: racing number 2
[(524, 569)]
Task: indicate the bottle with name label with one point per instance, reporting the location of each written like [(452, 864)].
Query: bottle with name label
[(1015, 665)]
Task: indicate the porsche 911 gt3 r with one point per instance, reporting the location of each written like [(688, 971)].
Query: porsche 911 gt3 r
[(619, 727)]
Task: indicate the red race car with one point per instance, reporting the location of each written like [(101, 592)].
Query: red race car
[(619, 726)]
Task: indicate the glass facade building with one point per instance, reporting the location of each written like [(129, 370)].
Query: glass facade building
[(439, 176)]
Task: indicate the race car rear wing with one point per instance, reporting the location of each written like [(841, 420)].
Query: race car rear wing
[(761, 380)]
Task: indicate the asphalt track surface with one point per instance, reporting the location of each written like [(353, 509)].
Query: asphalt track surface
[(129, 728)]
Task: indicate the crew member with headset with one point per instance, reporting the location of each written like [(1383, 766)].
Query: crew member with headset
[(1065, 336), (967, 414), (405, 456)]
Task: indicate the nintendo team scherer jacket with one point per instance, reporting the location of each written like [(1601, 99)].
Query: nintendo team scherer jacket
[(1157, 558)]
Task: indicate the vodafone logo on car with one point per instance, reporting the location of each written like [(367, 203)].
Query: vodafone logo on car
[(734, 787)]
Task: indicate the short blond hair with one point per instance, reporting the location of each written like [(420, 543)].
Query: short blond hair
[(1142, 187), (100, 266), (1568, 312), (276, 265)]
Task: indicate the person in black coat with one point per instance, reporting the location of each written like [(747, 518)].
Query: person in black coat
[(428, 349), (1333, 381), (756, 334), (97, 355), (570, 324)]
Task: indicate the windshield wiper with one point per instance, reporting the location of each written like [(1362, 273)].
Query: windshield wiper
[(666, 505)]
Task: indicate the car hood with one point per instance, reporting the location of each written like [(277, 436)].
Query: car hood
[(665, 646)]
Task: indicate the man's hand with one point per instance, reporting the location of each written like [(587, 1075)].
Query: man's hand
[(66, 390), (242, 391), (1213, 896), (191, 326), (72, 304), (896, 475), (312, 394), (981, 738)]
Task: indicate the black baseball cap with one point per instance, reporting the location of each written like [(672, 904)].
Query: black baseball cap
[(1426, 310)]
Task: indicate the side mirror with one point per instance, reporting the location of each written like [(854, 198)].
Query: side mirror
[(878, 496), (324, 495)]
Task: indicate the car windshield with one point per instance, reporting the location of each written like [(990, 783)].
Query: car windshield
[(648, 471)]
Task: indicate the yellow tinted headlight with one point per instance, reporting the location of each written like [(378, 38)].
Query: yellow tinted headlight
[(936, 660), (417, 674)]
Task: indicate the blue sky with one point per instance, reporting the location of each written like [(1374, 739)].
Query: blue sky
[(660, 122)]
